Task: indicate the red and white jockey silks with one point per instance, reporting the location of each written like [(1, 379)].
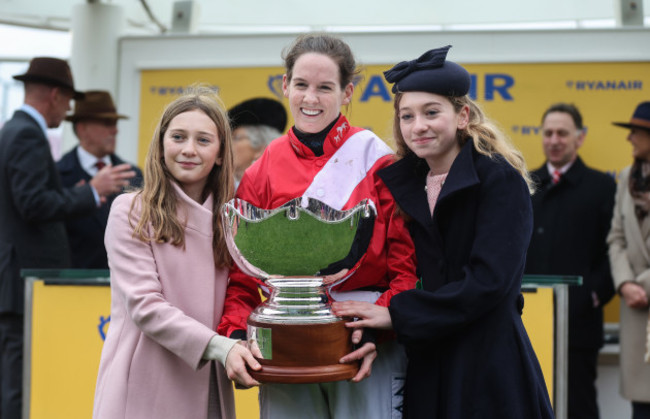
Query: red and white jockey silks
[(342, 177)]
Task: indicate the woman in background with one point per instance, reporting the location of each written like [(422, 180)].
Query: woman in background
[(465, 193), (629, 255), (169, 270)]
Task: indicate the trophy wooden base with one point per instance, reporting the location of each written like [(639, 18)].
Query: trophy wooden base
[(304, 353)]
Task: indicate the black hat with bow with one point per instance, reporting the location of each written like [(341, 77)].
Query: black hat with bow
[(430, 73)]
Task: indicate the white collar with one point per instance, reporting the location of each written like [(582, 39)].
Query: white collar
[(31, 111), (87, 161), (562, 169)]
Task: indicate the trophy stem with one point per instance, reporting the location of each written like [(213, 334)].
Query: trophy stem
[(296, 300)]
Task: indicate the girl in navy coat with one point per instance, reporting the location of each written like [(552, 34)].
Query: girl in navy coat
[(465, 192)]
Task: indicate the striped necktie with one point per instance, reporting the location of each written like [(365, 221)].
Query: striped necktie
[(556, 176)]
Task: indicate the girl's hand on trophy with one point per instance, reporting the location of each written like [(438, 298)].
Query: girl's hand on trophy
[(254, 348), (366, 354), (333, 278), (236, 361), (364, 314)]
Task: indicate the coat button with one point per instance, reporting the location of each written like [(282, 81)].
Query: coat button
[(540, 230)]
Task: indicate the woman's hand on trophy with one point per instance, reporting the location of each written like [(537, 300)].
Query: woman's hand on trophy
[(366, 354), (364, 314), (236, 361)]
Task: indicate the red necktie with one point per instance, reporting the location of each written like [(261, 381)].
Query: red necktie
[(100, 165), (556, 176)]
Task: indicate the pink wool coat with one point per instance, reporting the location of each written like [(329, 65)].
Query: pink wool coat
[(166, 302)]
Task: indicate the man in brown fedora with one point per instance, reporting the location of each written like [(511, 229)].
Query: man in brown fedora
[(95, 125), (34, 205)]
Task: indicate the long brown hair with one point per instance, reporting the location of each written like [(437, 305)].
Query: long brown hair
[(488, 138), (158, 198)]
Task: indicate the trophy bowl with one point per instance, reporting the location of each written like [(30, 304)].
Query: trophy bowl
[(294, 334)]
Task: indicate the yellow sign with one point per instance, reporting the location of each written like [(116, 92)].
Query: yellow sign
[(514, 95), (69, 323), (539, 321), (68, 326)]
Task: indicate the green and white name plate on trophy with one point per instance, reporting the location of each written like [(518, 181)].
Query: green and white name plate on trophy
[(294, 334)]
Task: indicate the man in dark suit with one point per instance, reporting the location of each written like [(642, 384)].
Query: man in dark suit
[(33, 205), (95, 125), (572, 211)]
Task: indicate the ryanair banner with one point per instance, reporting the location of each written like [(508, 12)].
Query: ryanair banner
[(513, 95)]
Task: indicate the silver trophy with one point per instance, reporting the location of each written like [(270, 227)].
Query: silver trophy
[(294, 334)]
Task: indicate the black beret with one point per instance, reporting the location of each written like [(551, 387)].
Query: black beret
[(258, 111), (430, 73)]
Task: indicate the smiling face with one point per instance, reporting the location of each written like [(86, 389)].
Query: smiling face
[(315, 93), (640, 140), (191, 147), (428, 123), (561, 138)]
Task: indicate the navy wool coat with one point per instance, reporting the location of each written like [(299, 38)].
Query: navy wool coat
[(469, 355), (86, 232)]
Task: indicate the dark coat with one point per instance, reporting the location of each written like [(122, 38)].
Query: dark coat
[(86, 233), (572, 220), (33, 205), (469, 354)]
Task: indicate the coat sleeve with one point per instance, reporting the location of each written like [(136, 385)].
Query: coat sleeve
[(135, 281), (621, 268), (400, 249), (35, 194), (502, 229)]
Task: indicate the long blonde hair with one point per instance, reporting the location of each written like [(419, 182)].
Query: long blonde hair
[(488, 138), (158, 198)]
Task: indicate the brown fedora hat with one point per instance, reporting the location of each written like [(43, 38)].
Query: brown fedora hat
[(97, 104), (51, 71), (640, 118)]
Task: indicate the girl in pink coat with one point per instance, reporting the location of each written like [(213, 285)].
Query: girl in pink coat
[(169, 271)]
